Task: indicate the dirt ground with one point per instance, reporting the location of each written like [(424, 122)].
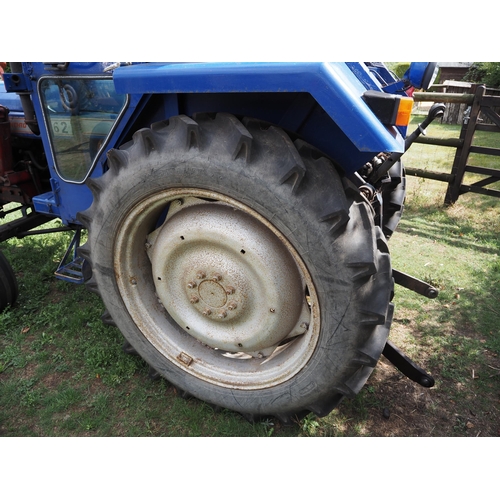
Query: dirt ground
[(404, 408)]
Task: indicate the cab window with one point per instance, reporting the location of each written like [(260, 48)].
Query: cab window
[(80, 114)]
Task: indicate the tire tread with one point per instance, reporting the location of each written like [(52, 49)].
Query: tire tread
[(298, 170)]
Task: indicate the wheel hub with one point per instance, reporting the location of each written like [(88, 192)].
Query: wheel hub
[(210, 297), (265, 329), (225, 278), (212, 294)]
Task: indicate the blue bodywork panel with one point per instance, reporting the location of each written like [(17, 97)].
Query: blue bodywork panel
[(318, 102), (333, 85)]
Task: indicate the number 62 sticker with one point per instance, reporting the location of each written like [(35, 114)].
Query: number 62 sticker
[(61, 127)]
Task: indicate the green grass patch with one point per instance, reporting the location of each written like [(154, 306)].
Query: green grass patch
[(64, 373)]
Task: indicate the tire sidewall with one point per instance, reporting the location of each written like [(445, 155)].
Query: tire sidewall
[(329, 363)]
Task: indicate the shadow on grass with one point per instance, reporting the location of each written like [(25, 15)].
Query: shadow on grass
[(456, 336), (437, 224)]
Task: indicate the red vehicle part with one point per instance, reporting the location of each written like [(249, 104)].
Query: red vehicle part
[(5, 148), (15, 186)]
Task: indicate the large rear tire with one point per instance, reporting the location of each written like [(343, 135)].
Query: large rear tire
[(240, 265), (393, 198)]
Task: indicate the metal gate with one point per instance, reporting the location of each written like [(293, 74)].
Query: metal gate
[(482, 108)]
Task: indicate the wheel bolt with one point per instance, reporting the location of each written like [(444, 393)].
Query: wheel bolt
[(230, 290), (207, 312), (232, 306), (222, 314), (192, 284), (216, 277), (200, 275), (194, 299)]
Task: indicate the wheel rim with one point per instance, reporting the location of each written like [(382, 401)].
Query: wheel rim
[(216, 289)]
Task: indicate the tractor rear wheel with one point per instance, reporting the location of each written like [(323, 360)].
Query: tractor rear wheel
[(240, 265)]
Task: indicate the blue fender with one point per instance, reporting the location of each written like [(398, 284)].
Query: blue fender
[(333, 85)]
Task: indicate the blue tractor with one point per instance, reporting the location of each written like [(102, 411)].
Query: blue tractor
[(236, 215)]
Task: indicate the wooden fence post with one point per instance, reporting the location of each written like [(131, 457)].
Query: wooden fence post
[(462, 154)]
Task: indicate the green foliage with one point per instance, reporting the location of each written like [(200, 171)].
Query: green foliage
[(487, 73), (399, 68)]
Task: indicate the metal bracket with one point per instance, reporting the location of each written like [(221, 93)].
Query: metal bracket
[(406, 366), (17, 82), (414, 284)]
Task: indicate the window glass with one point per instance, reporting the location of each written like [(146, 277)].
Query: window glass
[(80, 114)]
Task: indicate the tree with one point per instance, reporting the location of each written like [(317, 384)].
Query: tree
[(399, 68), (487, 73)]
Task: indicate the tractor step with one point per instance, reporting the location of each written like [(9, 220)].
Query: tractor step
[(71, 266)]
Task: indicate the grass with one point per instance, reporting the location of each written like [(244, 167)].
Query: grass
[(63, 372)]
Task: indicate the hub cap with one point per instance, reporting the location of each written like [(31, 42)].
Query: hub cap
[(216, 289), (226, 278)]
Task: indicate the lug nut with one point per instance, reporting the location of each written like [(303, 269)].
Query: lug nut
[(232, 306), (192, 284), (200, 275), (216, 277), (194, 299), (230, 290), (222, 314), (207, 312)]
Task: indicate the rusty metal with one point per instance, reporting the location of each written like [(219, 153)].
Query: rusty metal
[(257, 302), (214, 235), (185, 358)]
